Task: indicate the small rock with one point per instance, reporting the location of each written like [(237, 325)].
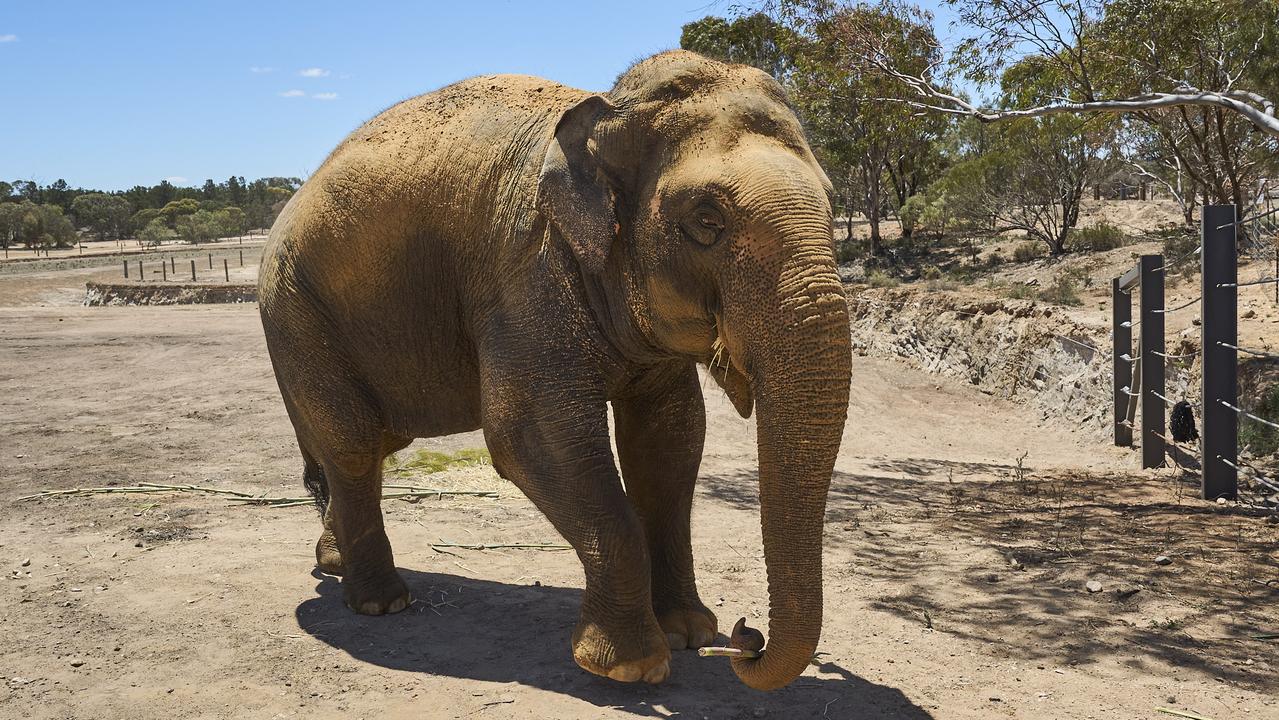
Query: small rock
[(26, 562), (1248, 314), (992, 578), (1196, 321), (1163, 560), (1221, 501), (77, 663), (1093, 586)]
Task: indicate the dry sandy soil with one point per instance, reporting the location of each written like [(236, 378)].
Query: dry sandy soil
[(955, 581)]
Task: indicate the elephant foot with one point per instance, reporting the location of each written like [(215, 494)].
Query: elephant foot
[(689, 628), (647, 659), (382, 596), (327, 557)]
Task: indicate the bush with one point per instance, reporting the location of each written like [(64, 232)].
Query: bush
[(1064, 290), (1027, 251), (1178, 248), (880, 279), (1097, 237), (1021, 291), (931, 272), (1258, 438)]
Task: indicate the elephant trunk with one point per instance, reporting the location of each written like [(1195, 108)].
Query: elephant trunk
[(799, 373)]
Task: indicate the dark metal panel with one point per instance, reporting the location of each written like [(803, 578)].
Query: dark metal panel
[(1153, 409), (1220, 325)]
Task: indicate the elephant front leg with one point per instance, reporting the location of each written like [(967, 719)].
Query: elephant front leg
[(558, 454), (660, 432)]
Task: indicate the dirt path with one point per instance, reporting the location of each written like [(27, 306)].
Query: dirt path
[(176, 606)]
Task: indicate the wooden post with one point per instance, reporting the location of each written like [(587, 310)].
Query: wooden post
[(1276, 264), (1220, 328), (1153, 409), (172, 269), (210, 261), (192, 271), (126, 269), (164, 270), (225, 270), (1121, 349)]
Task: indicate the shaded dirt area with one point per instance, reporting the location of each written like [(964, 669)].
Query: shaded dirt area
[(955, 577)]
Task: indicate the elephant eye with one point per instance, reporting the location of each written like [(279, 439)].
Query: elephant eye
[(704, 225)]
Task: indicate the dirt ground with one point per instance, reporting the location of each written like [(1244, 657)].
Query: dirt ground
[(955, 576)]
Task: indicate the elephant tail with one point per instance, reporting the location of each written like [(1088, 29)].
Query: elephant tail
[(315, 482)]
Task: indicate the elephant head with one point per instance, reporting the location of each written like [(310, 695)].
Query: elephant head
[(702, 221)]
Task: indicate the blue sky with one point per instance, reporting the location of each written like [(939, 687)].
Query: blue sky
[(113, 94)]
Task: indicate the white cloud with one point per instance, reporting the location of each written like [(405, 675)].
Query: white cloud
[(314, 73), (259, 70), (325, 96), (292, 93), (176, 180), (8, 38)]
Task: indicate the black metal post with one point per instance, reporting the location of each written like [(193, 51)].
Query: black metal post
[(164, 270), (140, 275), (210, 261), (1220, 328), (1153, 409), (226, 271), (126, 269), (1121, 349), (172, 269), (192, 271)]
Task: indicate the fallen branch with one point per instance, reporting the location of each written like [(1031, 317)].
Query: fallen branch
[(727, 652), (410, 492), (1179, 713), (438, 547)]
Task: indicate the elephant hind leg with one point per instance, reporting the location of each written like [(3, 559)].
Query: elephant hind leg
[(327, 556), (328, 559)]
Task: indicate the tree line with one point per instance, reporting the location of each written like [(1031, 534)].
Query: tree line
[(1185, 90), (56, 215)]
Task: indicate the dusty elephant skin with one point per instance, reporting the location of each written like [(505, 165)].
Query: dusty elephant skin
[(511, 254)]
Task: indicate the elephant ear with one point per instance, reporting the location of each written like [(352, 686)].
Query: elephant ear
[(572, 191)]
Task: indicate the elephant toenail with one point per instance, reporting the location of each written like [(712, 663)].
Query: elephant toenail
[(676, 641), (658, 674), (624, 673)]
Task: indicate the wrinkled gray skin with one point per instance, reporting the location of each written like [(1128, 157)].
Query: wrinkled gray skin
[(511, 254)]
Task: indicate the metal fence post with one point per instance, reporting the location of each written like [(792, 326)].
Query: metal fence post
[(1121, 350), (1220, 328), (1153, 409)]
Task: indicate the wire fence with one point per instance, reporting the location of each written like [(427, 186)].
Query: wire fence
[(1139, 378)]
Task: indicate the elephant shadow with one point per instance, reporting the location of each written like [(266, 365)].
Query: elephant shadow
[(495, 632)]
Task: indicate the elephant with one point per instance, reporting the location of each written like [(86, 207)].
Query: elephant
[(514, 255)]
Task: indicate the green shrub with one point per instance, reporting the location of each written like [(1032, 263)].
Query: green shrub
[(1021, 291), (1259, 438), (1064, 290), (1097, 237), (1178, 249), (880, 279), (1027, 251), (931, 272)]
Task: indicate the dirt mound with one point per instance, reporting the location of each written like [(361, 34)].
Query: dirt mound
[(100, 294)]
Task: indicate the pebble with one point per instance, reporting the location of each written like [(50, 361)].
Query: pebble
[(1163, 560), (26, 562), (1093, 586), (77, 663), (1248, 314)]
